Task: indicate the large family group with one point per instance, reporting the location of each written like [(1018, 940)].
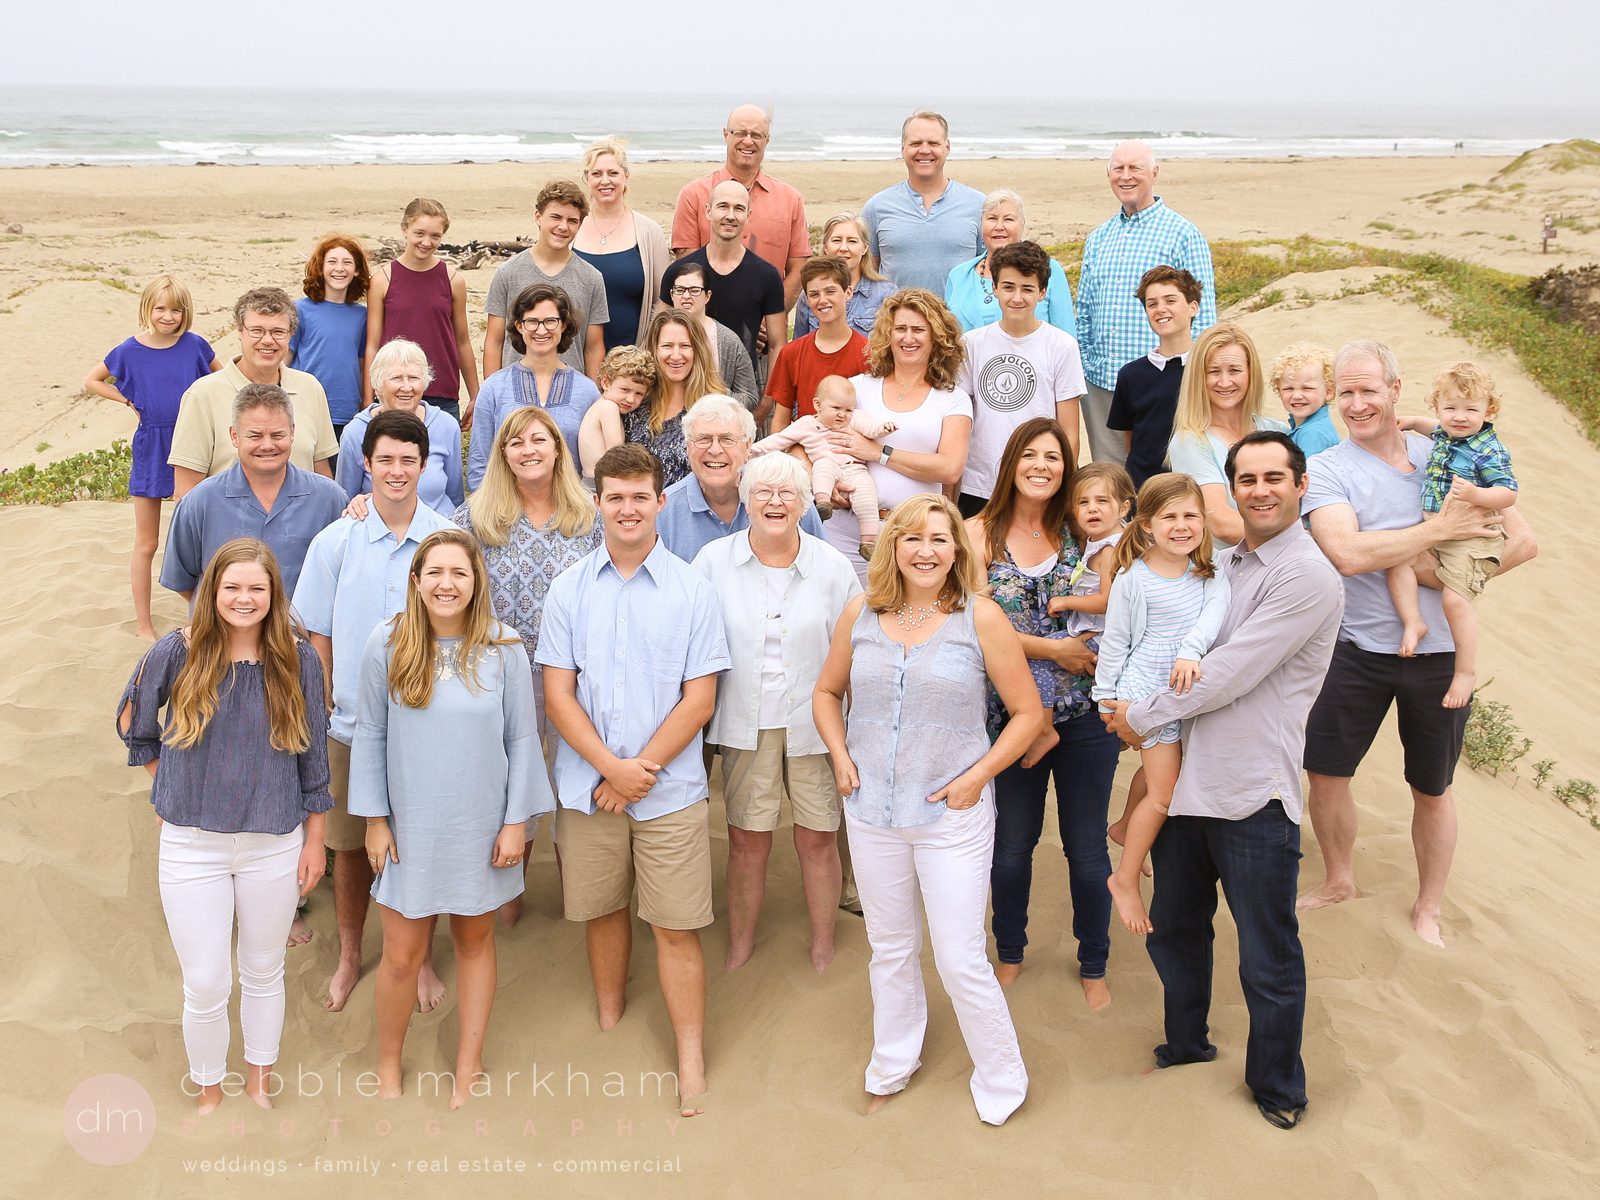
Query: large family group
[(909, 608)]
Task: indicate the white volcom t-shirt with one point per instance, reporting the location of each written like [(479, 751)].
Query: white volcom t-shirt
[(1012, 380)]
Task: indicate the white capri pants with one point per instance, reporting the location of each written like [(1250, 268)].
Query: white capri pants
[(206, 879), (941, 868)]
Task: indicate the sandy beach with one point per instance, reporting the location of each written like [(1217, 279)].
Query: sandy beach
[(1467, 1071)]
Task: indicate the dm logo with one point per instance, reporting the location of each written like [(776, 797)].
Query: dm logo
[(109, 1120), (1007, 383)]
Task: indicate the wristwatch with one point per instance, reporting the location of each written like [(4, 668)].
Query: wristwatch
[(883, 457)]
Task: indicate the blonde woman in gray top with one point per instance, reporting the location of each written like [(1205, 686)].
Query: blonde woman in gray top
[(915, 766)]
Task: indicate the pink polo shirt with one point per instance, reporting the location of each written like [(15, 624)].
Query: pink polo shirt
[(777, 230)]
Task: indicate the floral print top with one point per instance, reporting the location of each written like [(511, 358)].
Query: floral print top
[(1024, 599), (668, 445)]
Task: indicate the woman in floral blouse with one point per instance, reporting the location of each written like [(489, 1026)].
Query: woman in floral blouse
[(533, 519), (1025, 536)]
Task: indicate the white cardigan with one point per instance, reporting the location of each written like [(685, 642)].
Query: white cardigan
[(1125, 617)]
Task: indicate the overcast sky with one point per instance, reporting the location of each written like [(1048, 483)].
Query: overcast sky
[(1469, 53)]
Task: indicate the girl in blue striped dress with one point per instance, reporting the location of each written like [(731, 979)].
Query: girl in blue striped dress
[(1166, 607)]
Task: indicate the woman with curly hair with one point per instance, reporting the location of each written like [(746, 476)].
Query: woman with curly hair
[(330, 341), (241, 785), (685, 371), (912, 358)]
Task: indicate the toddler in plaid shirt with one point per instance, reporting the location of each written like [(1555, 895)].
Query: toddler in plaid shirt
[(1469, 465)]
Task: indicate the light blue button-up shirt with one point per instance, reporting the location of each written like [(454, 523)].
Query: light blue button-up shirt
[(917, 245), (633, 643), (1112, 331), (687, 524), (354, 577), (223, 507)]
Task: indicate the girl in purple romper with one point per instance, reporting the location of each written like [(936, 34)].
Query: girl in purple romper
[(150, 373)]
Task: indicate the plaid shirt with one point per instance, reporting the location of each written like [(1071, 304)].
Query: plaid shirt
[(1112, 331), (1481, 460)]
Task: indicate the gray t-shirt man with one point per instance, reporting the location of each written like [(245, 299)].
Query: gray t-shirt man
[(583, 284), (1382, 498)]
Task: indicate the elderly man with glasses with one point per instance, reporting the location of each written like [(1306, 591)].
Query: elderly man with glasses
[(200, 443)]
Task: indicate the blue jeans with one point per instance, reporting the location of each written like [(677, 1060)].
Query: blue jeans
[(449, 404), (1083, 765), (1257, 861)]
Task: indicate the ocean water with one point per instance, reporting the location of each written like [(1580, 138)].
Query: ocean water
[(40, 126)]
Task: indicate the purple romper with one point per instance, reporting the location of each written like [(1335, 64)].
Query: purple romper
[(155, 381)]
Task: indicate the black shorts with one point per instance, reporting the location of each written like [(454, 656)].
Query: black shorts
[(1356, 695), (970, 505)]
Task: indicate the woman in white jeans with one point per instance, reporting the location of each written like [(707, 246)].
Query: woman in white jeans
[(914, 654), (241, 783)]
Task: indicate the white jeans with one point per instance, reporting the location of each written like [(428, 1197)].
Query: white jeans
[(205, 879), (941, 868)]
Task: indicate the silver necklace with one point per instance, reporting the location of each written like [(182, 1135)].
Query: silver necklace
[(606, 237), (911, 616)]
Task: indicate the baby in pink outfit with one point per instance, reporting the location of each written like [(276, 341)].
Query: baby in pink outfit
[(836, 412)]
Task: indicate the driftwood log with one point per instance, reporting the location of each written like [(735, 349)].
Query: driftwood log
[(468, 256)]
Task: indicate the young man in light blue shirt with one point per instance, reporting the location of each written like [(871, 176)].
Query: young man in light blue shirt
[(355, 578), (919, 229), (631, 645)]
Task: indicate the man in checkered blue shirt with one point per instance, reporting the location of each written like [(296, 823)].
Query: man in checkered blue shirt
[(1112, 331)]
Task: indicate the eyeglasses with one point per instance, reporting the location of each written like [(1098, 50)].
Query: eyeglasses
[(259, 333), (707, 440), (763, 495), (687, 292), (550, 323), (755, 135)]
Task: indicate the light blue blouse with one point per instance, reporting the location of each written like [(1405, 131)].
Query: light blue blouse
[(971, 298)]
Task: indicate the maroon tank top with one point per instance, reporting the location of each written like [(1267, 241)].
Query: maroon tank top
[(418, 306)]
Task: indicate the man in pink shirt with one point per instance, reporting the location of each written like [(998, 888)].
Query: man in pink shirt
[(777, 230)]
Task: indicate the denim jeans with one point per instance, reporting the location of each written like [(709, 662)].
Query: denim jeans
[(1083, 764), (1257, 861), (449, 404)]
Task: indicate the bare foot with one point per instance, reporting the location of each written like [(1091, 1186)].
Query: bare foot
[(821, 955), (1426, 927), (210, 1098), (511, 912), (1097, 993), (1413, 633), (1327, 895), (258, 1084), (691, 1088), (341, 985), (1007, 973), (738, 956), (1118, 832), (610, 1014), (430, 988), (299, 931), (147, 632), (1460, 693), (1042, 745), (875, 1102), (1130, 904), (466, 1076), (389, 1081)]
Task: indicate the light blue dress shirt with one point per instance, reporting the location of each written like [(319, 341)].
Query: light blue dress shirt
[(633, 643), (1112, 331), (970, 297), (916, 245), (354, 578), (440, 485), (687, 524)]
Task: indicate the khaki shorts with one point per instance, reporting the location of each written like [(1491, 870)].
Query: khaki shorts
[(754, 783), (1467, 564), (603, 855), (341, 831)]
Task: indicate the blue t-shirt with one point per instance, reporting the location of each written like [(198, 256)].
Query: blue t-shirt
[(1383, 498), (329, 343), (1316, 433), (155, 380), (917, 246)]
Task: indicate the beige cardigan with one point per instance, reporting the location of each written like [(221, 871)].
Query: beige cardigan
[(654, 255)]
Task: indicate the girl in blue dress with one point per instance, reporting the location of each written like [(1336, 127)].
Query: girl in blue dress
[(150, 373)]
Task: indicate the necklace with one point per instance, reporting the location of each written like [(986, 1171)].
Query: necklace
[(904, 389), (988, 290), (606, 236), (911, 616)]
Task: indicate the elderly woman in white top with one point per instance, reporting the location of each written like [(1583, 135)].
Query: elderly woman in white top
[(781, 591), (399, 376), (969, 289)]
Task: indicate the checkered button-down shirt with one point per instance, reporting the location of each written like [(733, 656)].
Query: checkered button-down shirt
[(1112, 331), (1482, 460)]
